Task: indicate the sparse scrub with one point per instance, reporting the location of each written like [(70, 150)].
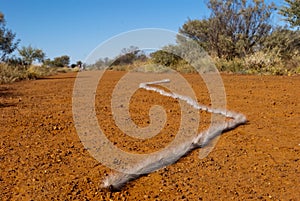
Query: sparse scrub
[(185, 68), (263, 63), (62, 69), (235, 65), (40, 71), (154, 68), (76, 69), (266, 63), (241, 39), (120, 67), (10, 74)]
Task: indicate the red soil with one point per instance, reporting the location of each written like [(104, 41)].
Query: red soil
[(42, 158)]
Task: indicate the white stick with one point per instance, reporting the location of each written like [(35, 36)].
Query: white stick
[(169, 156)]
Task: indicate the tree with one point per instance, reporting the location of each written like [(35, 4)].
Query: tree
[(30, 54), (131, 49), (14, 61), (48, 62), (291, 12), (61, 61), (79, 64), (165, 58), (7, 40), (101, 63), (129, 55), (235, 28), (284, 42), (1, 17)]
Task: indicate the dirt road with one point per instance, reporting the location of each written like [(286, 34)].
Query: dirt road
[(42, 158)]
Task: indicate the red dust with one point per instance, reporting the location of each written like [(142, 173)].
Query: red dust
[(42, 158)]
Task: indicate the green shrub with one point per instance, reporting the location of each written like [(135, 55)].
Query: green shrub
[(235, 65)]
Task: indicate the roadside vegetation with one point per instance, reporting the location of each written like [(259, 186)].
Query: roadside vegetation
[(9, 73), (239, 36), (31, 62)]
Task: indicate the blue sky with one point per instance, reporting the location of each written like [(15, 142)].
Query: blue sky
[(76, 27)]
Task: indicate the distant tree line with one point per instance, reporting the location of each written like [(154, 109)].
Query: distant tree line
[(238, 34), (29, 54), (127, 56)]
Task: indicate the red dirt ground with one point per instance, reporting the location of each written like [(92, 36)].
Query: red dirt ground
[(42, 158)]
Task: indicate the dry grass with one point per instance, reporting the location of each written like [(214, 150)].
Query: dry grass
[(9, 74), (260, 63)]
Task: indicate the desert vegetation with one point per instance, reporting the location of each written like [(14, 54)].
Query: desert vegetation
[(240, 37), (31, 62)]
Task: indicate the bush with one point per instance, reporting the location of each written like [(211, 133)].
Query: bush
[(76, 69), (184, 67), (165, 58), (10, 74), (151, 67), (62, 69), (236, 65), (40, 71), (267, 63), (263, 61)]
